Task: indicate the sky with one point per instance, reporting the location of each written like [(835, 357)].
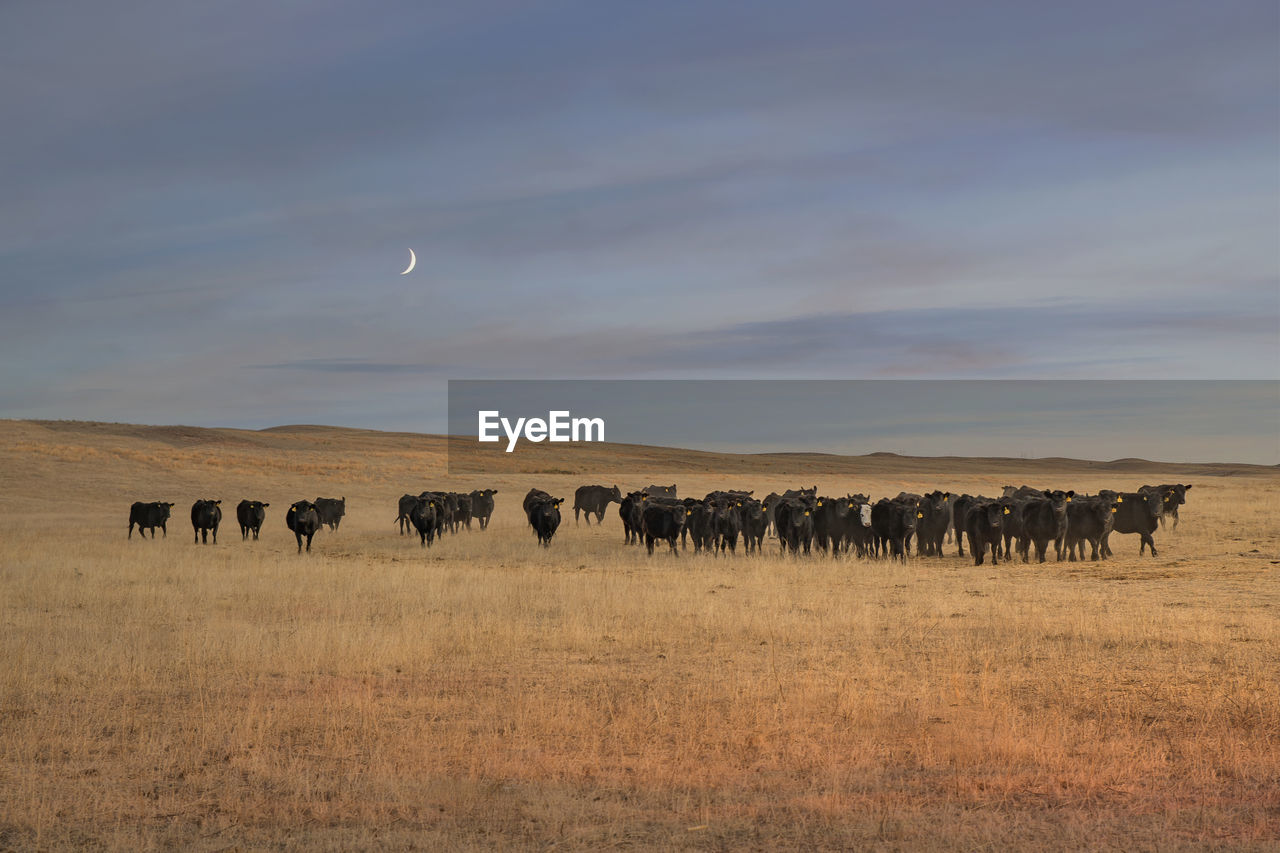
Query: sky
[(206, 207)]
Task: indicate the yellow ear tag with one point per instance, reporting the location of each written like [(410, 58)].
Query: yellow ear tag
[(806, 512), (1120, 499), (919, 515), (1068, 500), (1006, 510), (1113, 509), (739, 503), (819, 503)]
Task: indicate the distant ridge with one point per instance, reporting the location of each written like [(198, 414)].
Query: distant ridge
[(575, 458)]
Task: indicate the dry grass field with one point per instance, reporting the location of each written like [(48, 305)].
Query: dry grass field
[(487, 693)]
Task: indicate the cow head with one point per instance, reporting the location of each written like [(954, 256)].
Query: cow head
[(864, 514), (615, 493)]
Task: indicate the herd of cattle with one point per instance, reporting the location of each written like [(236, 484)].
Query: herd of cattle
[(1020, 520), (801, 519)]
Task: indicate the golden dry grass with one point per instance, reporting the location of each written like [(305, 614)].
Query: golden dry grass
[(490, 694)]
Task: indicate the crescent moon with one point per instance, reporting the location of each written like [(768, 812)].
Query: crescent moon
[(413, 260)]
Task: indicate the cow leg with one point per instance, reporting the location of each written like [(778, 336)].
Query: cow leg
[(164, 529), (309, 535), (674, 550), (995, 561), (575, 516), (648, 543), (299, 535)]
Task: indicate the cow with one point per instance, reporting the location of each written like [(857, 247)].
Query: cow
[(482, 506), (462, 511), (1014, 531), (1136, 512), (726, 524), (331, 510), (893, 522), (1172, 496), (303, 520), (662, 520), (754, 525), (935, 518), (449, 509), (697, 525), (534, 497), (794, 520), (631, 512), (769, 505), (849, 524), (149, 516), (544, 518), (1022, 492), (1088, 520), (446, 504), (1043, 520), (661, 491), (594, 499), (983, 522), (405, 506), (424, 516), (251, 515), (206, 515)]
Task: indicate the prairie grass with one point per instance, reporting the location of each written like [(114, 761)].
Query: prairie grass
[(488, 693)]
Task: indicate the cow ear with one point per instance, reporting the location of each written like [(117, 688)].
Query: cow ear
[(266, 504), (1187, 486), (1071, 494)]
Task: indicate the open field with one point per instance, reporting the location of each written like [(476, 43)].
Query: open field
[(487, 693)]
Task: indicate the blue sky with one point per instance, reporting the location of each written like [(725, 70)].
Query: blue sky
[(207, 206)]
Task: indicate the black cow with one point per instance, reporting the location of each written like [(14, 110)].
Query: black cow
[(770, 505), (462, 511), (1023, 492), (1088, 520), (794, 519), (595, 499), (446, 504), (726, 523), (206, 515), (1044, 520), (534, 497), (482, 506), (857, 526), (1136, 512), (149, 516), (631, 511), (893, 523), (544, 518), (303, 520), (935, 518), (424, 515), (405, 506), (661, 491), (1015, 532), (331, 510), (984, 521), (697, 525), (754, 525), (662, 520), (251, 515), (1172, 496)]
